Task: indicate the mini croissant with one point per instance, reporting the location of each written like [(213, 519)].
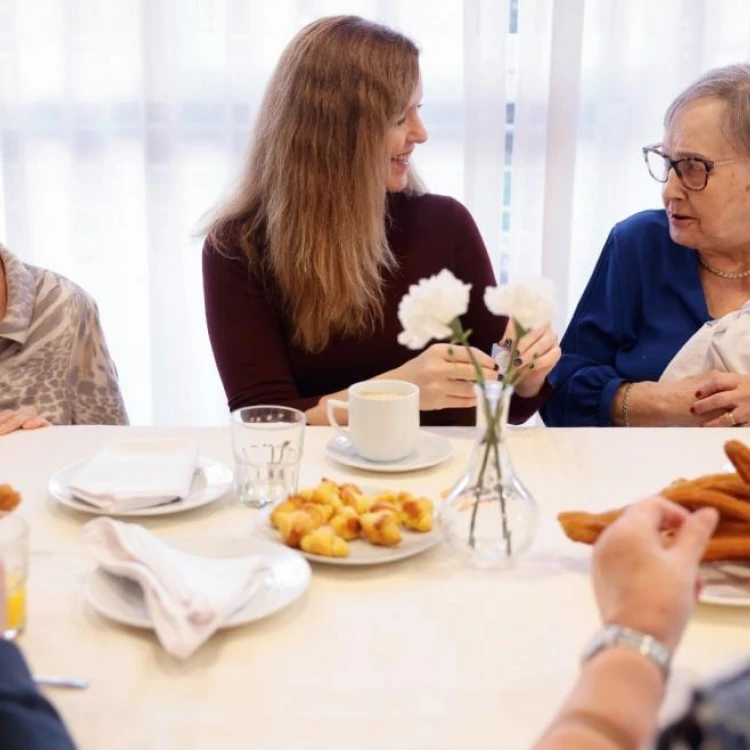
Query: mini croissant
[(346, 523), (292, 503), (293, 526), (323, 541), (416, 512), (381, 528)]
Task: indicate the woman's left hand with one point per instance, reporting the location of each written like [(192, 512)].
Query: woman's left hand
[(727, 392), (538, 352), (23, 419)]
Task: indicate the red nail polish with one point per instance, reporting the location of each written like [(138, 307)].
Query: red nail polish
[(697, 394), (692, 410)]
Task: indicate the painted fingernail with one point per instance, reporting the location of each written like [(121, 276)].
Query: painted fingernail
[(497, 366), (692, 410), (507, 343), (517, 361), (697, 394)]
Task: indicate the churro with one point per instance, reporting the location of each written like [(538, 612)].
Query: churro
[(739, 454), (728, 493)]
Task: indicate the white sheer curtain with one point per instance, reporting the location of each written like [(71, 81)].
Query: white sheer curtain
[(123, 122)]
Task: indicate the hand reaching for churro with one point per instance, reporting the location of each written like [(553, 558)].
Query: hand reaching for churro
[(640, 581)]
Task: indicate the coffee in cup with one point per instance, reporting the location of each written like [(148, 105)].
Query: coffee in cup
[(383, 418)]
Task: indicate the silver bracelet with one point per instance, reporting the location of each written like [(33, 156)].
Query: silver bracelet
[(625, 401)]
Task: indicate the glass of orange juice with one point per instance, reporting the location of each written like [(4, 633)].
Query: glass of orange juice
[(14, 567)]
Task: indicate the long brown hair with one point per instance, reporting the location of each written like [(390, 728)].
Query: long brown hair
[(309, 212)]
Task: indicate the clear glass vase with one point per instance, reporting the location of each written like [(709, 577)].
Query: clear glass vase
[(490, 518)]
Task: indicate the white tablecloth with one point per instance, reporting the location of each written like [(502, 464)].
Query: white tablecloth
[(418, 654)]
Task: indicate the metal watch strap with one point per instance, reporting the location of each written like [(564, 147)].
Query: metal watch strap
[(643, 643)]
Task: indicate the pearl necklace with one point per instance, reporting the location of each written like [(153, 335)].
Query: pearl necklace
[(723, 274)]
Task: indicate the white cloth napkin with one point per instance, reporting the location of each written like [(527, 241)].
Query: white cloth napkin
[(722, 344), (133, 474), (188, 597)]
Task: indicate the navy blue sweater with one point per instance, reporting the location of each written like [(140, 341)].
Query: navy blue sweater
[(642, 303)]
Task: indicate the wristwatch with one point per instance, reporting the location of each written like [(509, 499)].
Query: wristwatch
[(643, 643)]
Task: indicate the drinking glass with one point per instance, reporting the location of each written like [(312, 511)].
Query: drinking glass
[(267, 445), (14, 565)]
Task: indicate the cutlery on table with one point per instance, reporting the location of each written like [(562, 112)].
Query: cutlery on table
[(75, 683)]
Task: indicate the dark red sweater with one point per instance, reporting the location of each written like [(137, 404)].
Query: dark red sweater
[(252, 346)]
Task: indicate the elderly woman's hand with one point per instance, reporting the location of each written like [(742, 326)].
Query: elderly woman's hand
[(538, 351), (726, 393), (22, 419), (645, 568)]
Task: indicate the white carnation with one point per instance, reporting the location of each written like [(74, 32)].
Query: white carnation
[(430, 306), (530, 303)]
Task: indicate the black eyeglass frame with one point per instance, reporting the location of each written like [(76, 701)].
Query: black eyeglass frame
[(708, 164)]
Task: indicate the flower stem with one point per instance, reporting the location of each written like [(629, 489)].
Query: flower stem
[(478, 487), (501, 492), (492, 428)]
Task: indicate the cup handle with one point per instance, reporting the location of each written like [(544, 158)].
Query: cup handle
[(331, 405)]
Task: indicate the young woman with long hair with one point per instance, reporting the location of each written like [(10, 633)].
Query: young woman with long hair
[(305, 265)]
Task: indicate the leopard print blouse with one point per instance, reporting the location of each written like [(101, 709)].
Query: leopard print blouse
[(53, 357)]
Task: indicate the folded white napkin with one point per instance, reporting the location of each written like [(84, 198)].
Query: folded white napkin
[(722, 344), (134, 474), (188, 597)]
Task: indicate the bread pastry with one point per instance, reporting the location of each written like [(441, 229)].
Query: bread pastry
[(346, 523), (9, 498), (739, 454), (381, 528), (293, 526), (292, 503), (324, 541), (327, 493), (728, 493), (319, 513), (416, 512)]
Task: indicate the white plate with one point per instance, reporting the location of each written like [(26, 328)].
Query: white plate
[(122, 600), (212, 479), (431, 450), (360, 551), (726, 583)]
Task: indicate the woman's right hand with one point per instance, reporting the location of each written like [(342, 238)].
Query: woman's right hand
[(445, 375), (684, 395), (646, 579), (653, 404), (22, 419)]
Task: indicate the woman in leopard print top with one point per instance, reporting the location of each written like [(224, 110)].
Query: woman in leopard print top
[(54, 363)]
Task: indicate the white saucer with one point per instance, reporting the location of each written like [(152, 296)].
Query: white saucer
[(726, 583), (431, 450), (211, 480), (122, 600)]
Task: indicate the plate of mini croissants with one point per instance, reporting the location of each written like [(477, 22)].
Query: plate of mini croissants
[(344, 524)]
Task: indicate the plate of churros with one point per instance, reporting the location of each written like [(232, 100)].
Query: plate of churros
[(344, 524), (725, 572)]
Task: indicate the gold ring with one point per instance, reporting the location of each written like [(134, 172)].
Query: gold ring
[(731, 419)]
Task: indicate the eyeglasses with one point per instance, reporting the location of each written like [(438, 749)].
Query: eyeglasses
[(693, 171)]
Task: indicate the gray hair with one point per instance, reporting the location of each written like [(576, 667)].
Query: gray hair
[(730, 84)]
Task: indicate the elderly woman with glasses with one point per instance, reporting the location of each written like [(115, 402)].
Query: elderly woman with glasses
[(663, 275)]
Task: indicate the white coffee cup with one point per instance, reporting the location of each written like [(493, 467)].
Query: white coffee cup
[(383, 418)]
